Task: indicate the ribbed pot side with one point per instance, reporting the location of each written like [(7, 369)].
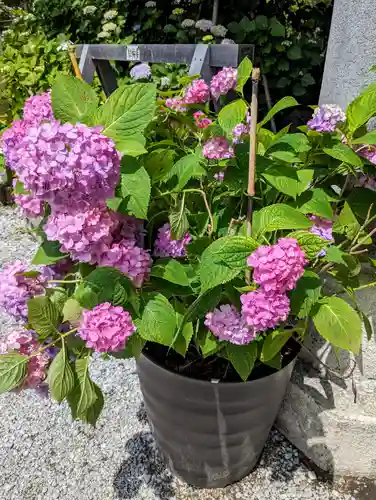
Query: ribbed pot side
[(211, 434)]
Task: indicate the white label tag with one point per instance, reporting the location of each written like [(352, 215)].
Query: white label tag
[(133, 53)]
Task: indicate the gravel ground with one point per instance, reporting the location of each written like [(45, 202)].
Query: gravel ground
[(45, 456)]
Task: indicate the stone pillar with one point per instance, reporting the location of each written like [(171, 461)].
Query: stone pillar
[(331, 418), (351, 51)]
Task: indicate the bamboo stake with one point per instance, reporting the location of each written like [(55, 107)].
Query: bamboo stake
[(73, 58), (252, 154)]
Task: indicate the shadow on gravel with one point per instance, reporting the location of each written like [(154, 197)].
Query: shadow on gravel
[(143, 467)]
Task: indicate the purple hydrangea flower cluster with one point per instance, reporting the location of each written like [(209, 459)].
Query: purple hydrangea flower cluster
[(238, 133), (165, 246), (67, 164), (106, 328), (198, 92), (30, 206), (322, 227), (57, 271), (368, 152), (23, 342), (224, 81), (10, 140), (217, 148), (15, 290), (38, 108), (326, 118), (141, 71), (228, 324), (262, 310)]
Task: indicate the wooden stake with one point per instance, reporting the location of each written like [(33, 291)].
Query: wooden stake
[(252, 155), (73, 58)]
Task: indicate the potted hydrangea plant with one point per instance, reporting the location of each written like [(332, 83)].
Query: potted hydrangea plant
[(151, 249)]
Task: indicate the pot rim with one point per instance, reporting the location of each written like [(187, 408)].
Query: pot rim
[(205, 382)]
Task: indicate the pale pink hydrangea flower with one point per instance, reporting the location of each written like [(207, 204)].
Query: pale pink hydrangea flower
[(224, 81), (30, 206), (201, 120), (227, 324), (177, 104), (15, 291), (165, 246), (278, 267), (67, 164), (38, 108), (217, 148), (130, 259), (262, 310), (24, 342), (106, 328), (198, 92)]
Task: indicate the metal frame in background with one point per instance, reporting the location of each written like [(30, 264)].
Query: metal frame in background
[(201, 58)]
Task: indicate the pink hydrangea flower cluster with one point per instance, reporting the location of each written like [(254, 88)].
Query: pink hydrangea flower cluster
[(262, 310), (23, 342), (177, 104), (224, 81), (278, 267), (30, 206), (218, 148), (228, 324), (165, 246), (15, 291), (106, 328), (66, 164), (326, 118), (201, 120), (10, 139), (198, 92), (38, 108)]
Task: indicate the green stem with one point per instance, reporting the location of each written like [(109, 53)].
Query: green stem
[(63, 335), (64, 281), (362, 287)]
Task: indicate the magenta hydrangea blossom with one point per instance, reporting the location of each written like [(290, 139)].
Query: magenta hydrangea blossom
[(165, 246), (278, 267), (38, 108), (23, 342), (177, 104), (217, 148), (67, 164), (238, 132), (106, 328), (224, 81), (198, 92), (85, 234), (15, 291), (227, 324), (129, 258), (201, 120), (326, 118), (263, 310), (30, 206), (368, 152)]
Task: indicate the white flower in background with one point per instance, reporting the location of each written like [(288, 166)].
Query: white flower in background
[(104, 34), (176, 2), (218, 30), (187, 23), (195, 1), (165, 82), (150, 5), (109, 27), (64, 46), (110, 14), (140, 71), (227, 41), (89, 9), (204, 25)]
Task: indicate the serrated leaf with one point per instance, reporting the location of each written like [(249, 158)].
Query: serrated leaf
[(298, 142), (244, 72), (43, 316), (186, 168), (273, 344), (119, 296), (310, 243), (306, 293), (346, 223), (213, 273), (208, 344), (73, 100), (234, 251), (183, 340), (72, 311), (127, 111), (179, 222), (289, 180), (345, 154), (361, 109), (13, 368), (48, 253), (60, 376), (232, 114), (83, 395), (132, 146), (91, 415), (276, 217), (315, 202), (170, 270), (338, 323), (158, 321), (284, 103), (135, 188), (242, 358), (294, 53)]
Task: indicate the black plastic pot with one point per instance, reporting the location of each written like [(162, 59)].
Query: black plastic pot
[(211, 434)]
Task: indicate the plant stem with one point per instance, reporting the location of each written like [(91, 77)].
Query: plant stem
[(362, 287), (210, 232), (64, 281), (63, 335)]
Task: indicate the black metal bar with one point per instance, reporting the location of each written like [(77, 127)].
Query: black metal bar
[(106, 75)]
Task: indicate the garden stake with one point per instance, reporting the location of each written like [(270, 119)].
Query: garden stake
[(252, 155), (72, 55)]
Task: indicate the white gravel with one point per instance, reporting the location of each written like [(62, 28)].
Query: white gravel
[(45, 456)]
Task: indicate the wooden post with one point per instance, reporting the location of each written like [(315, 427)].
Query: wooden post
[(72, 55)]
